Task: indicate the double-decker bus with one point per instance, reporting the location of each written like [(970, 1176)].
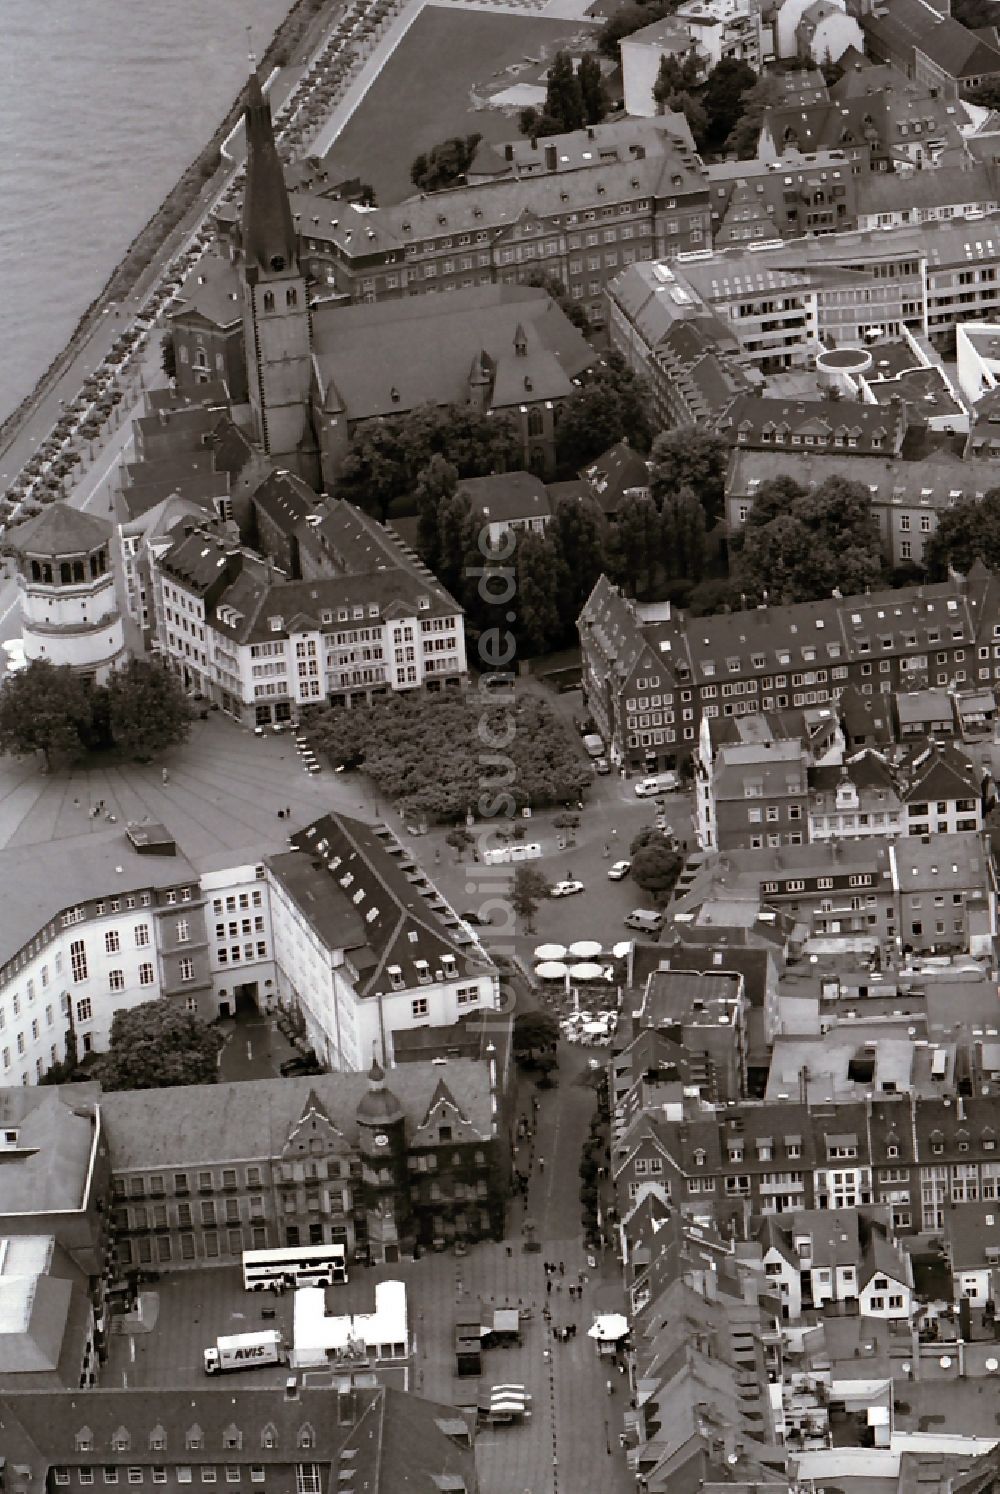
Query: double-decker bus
[(300, 1265)]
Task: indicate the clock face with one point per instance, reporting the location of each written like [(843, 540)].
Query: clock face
[(277, 261), (381, 1139)]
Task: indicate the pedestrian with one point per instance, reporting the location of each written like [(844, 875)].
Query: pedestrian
[(562, 1268), (510, 1251), (611, 1388), (548, 1288), (166, 776), (541, 1164)]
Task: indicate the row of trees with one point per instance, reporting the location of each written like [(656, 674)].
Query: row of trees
[(50, 710), (573, 98), (713, 109)]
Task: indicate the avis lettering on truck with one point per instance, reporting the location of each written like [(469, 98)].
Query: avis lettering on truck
[(245, 1351)]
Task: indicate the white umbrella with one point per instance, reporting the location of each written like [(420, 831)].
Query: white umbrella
[(586, 970), (609, 1327), (585, 949), (621, 950), (550, 952), (550, 970)]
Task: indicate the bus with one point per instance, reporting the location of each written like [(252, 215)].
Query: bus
[(304, 1265)]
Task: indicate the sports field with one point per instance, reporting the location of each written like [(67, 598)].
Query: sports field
[(423, 94)]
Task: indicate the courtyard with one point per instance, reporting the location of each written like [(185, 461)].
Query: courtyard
[(424, 92)]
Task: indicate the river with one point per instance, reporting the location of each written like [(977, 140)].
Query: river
[(103, 103)]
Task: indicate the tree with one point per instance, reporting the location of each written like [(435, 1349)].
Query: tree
[(576, 534), (534, 1032), (634, 542), (384, 458), (765, 94), (48, 709), (588, 74), (435, 485), (445, 164), (457, 541), (655, 867), (563, 93), (148, 709), (728, 84), (625, 21), (168, 355), (526, 891), (967, 532), (800, 548), (690, 457), (612, 405), (682, 535), (156, 1045), (538, 627)]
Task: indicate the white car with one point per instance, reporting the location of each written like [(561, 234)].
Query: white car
[(663, 783), (619, 871), (565, 889)]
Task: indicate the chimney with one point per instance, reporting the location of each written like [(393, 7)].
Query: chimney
[(551, 158), (804, 1085), (508, 152)]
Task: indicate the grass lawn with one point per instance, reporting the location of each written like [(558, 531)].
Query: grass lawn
[(422, 94)]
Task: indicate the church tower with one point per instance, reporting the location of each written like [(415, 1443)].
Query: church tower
[(276, 324)]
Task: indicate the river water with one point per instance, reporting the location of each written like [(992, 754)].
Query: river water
[(102, 105)]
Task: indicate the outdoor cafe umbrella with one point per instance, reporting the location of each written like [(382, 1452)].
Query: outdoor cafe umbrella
[(585, 949), (621, 950), (551, 970), (608, 1328), (550, 952), (586, 970)]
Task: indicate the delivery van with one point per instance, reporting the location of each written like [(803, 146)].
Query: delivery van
[(644, 921)]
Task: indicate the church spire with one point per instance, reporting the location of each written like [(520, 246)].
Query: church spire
[(269, 244)]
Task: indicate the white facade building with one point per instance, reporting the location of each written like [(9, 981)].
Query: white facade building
[(365, 946)]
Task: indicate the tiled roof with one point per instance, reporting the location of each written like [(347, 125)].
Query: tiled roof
[(945, 863), (752, 420), (56, 1131), (393, 356), (391, 915), (252, 1120), (285, 499), (614, 473), (59, 530), (507, 495), (941, 771), (211, 291)]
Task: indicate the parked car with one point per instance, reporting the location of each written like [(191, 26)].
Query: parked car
[(300, 1064), (661, 783), (565, 889), (619, 871), (601, 765)]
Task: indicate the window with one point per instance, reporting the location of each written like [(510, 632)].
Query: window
[(183, 931), (141, 935), (187, 969), (419, 1006), (84, 1010), (112, 942), (146, 975), (78, 960)]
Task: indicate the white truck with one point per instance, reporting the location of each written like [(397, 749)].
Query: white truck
[(592, 742), (245, 1351)]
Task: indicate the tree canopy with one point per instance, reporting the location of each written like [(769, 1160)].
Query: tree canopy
[(611, 405), (48, 709), (572, 99), (694, 459), (534, 1032), (157, 1045), (967, 532), (798, 545), (728, 84), (444, 164), (765, 94), (527, 889), (655, 865), (147, 708), (628, 19), (385, 458), (441, 755)]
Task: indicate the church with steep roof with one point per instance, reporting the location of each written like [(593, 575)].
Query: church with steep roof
[(317, 370)]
